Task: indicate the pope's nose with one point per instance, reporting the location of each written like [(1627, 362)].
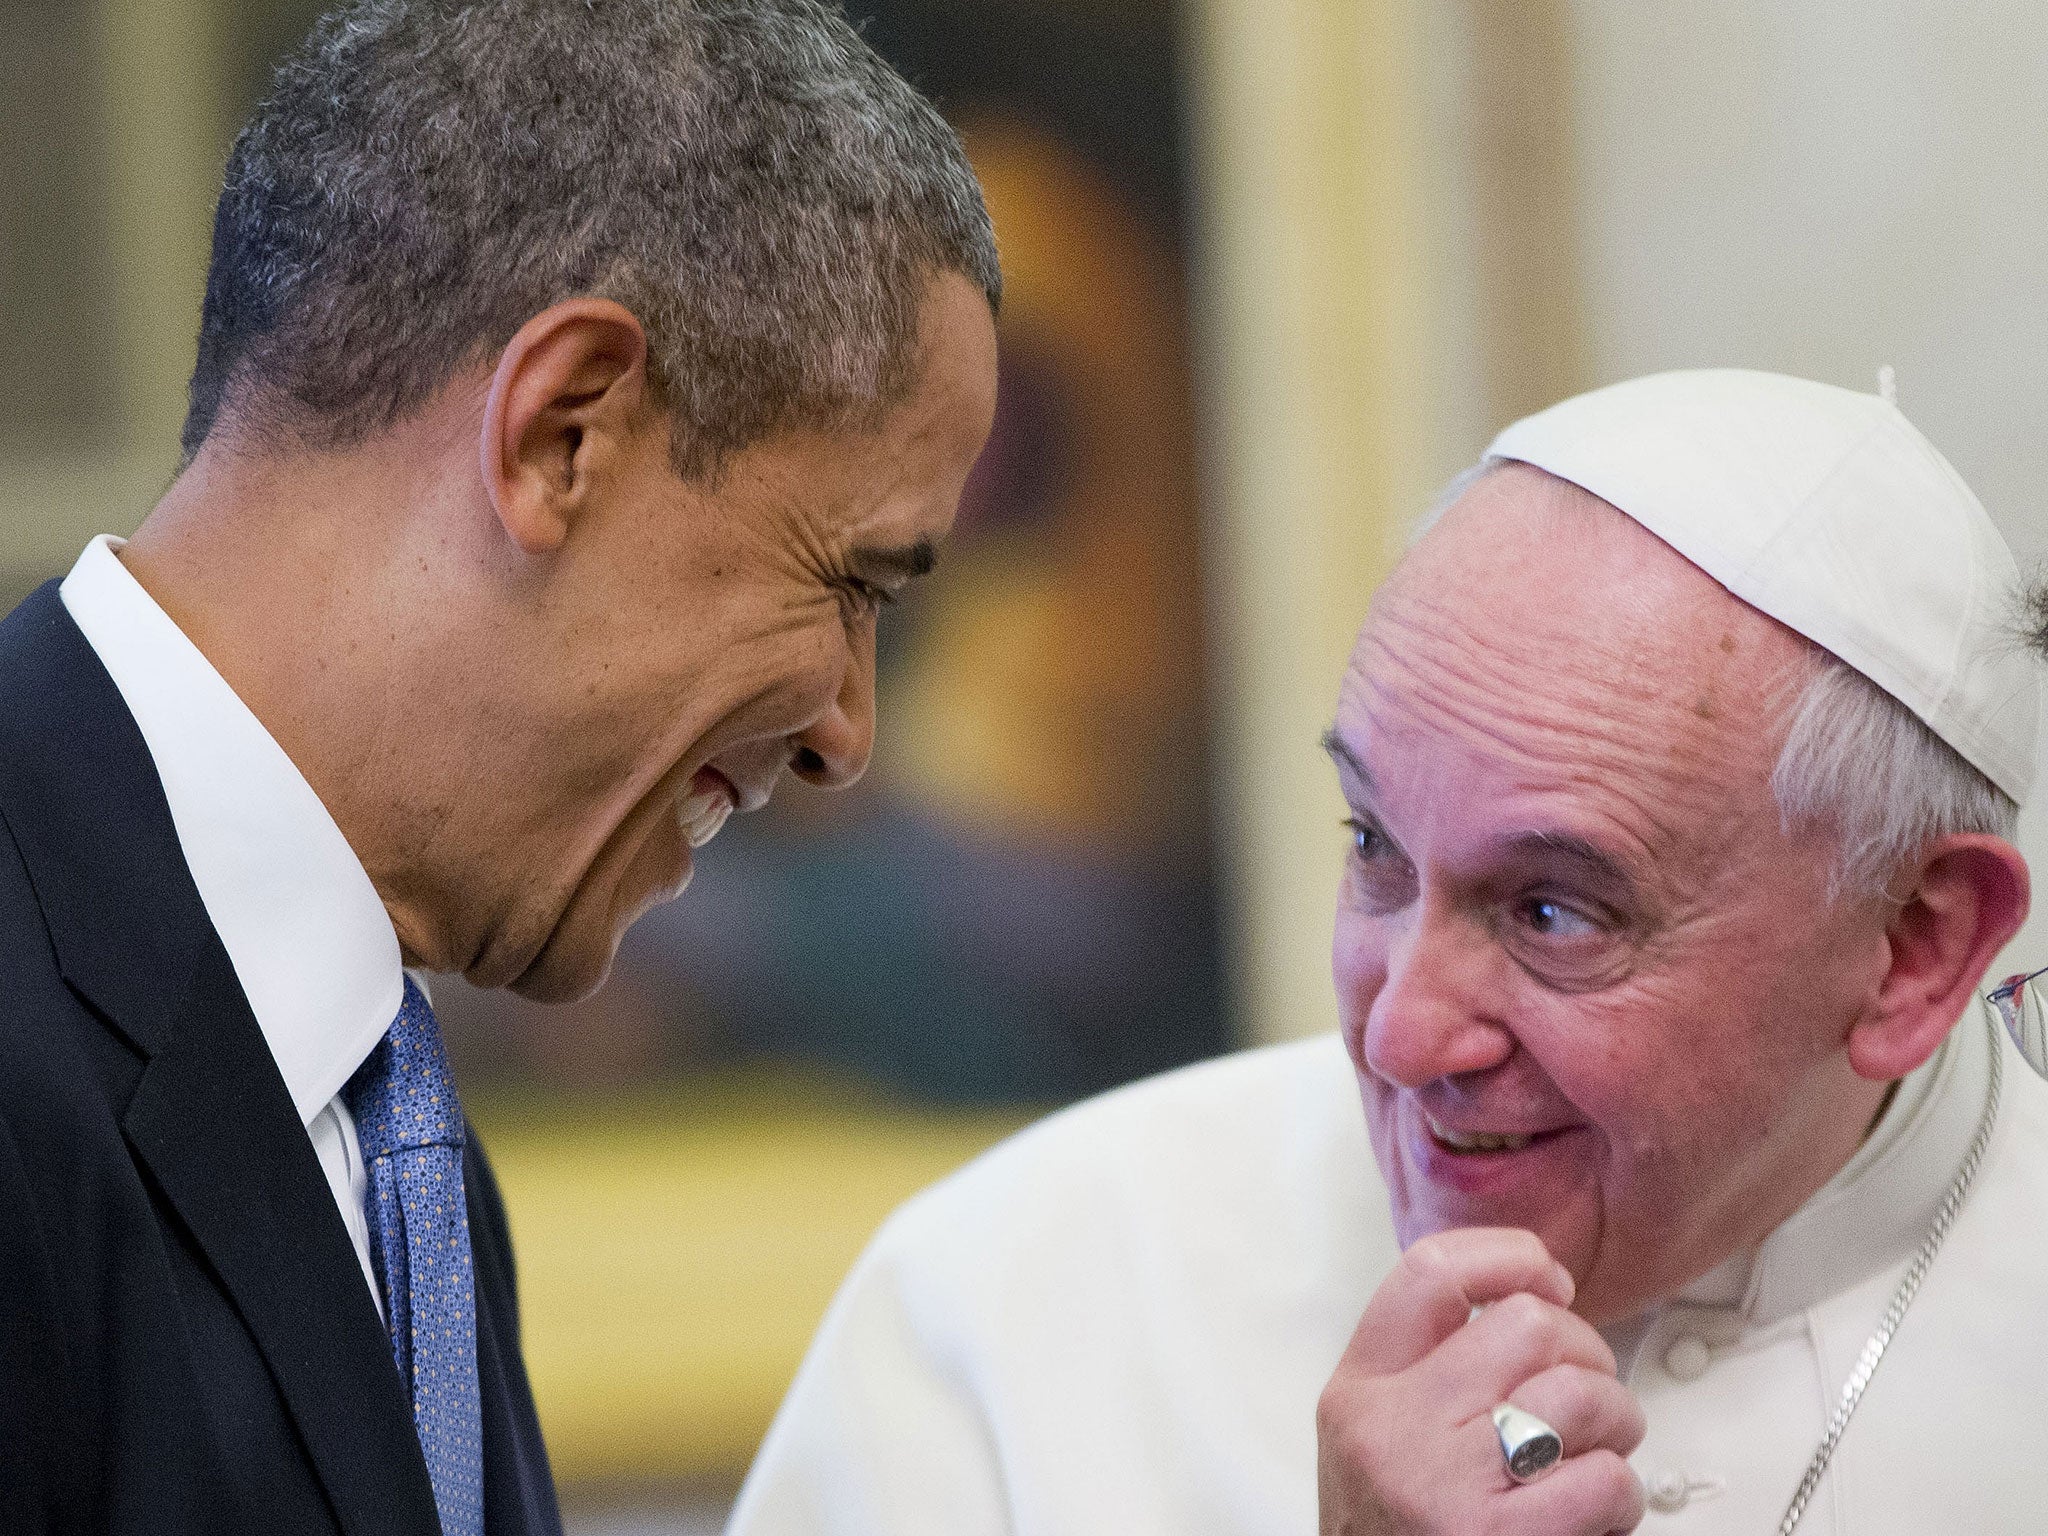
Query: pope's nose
[(1426, 1017)]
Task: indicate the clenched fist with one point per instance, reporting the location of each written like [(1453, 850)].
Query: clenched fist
[(1407, 1444)]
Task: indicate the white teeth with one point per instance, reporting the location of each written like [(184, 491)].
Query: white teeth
[(1475, 1141), (701, 815)]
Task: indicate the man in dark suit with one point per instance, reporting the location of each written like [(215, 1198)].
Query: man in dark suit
[(573, 384)]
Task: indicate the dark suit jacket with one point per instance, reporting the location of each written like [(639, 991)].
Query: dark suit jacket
[(186, 1341)]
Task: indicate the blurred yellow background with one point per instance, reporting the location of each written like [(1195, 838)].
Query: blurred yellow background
[(1287, 264), (676, 1250)]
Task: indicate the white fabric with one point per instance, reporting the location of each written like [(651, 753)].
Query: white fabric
[(1830, 512), (1122, 1319), (310, 940)]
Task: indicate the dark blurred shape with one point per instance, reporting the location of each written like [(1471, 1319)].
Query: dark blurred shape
[(1027, 467), (937, 958), (1104, 79)]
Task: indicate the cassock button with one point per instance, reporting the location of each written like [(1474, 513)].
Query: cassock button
[(1668, 1492), (1687, 1359)]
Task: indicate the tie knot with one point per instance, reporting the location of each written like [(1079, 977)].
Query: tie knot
[(403, 1095)]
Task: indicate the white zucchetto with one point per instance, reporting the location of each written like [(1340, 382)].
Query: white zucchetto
[(1829, 511)]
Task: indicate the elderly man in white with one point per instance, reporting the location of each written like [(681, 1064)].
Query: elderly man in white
[(1683, 755)]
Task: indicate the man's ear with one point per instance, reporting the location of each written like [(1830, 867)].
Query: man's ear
[(1966, 897), (568, 391)]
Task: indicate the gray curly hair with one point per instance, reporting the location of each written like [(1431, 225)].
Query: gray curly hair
[(746, 176)]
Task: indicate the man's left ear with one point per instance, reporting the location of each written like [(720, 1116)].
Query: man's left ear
[(563, 395), (1967, 897)]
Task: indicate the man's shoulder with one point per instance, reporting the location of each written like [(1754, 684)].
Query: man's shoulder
[(31, 985), (1249, 1173), (69, 747), (61, 1071)]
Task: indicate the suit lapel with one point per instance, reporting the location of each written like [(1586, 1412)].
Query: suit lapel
[(510, 1493), (519, 1490), (80, 795), (213, 1122), (211, 1118)]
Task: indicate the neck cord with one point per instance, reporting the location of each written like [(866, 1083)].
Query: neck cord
[(1880, 1341)]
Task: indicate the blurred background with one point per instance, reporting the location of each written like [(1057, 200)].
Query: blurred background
[(1277, 268)]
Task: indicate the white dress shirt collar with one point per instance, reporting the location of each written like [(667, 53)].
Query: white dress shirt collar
[(309, 937)]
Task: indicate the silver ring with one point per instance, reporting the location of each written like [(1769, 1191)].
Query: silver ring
[(1528, 1445)]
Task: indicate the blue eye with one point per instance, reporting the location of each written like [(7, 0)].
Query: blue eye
[(1566, 945), (1553, 919)]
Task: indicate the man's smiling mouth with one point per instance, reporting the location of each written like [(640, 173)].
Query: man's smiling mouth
[(704, 810), (1474, 1141)]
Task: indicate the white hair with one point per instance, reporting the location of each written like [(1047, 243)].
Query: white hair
[(1856, 760)]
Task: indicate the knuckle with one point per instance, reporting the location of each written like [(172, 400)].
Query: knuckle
[(1429, 1258), (1601, 1393), (1634, 1425), (1584, 1380), (1528, 1315), (1567, 1389), (1607, 1411), (1616, 1485), (1599, 1348)]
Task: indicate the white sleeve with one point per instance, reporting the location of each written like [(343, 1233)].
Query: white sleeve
[(1117, 1321), (880, 1434)]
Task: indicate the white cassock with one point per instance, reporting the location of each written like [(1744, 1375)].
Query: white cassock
[(1120, 1321)]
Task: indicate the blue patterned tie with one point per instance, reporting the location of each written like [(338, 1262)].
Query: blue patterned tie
[(410, 1127)]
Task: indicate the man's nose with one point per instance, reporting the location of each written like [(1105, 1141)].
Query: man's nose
[(832, 752), (1432, 1016)]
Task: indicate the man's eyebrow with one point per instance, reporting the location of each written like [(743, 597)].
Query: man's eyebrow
[(1340, 750), (1595, 861), (892, 566)]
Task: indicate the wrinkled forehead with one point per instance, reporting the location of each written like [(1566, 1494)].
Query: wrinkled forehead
[(1536, 624)]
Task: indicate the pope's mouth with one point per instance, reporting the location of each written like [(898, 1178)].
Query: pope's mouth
[(1471, 1143), (703, 812)]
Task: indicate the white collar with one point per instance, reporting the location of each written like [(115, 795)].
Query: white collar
[(309, 937)]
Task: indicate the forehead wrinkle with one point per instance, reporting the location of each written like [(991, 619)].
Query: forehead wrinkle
[(1525, 560), (1581, 698), (1595, 725)]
